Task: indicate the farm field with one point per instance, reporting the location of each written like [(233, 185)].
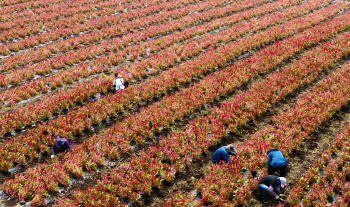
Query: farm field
[(203, 74)]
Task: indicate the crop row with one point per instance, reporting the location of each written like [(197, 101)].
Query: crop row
[(113, 44), (177, 150), (50, 18), (81, 53), (28, 5), (36, 24), (293, 126), (83, 40), (40, 28), (165, 58), (56, 19), (66, 8), (83, 30), (111, 26), (12, 2), (98, 147), (49, 50), (73, 122), (136, 93), (251, 155), (322, 101), (330, 174), (44, 112)]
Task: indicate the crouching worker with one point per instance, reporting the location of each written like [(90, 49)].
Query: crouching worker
[(222, 154), (275, 162), (63, 146), (118, 82), (271, 185)]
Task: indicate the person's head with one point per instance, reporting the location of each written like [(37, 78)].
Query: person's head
[(59, 141), (282, 181), (230, 148), (116, 75), (119, 76)]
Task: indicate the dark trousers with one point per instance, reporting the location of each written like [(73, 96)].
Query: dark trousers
[(281, 168)]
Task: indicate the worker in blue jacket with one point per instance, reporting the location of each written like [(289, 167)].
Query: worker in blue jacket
[(63, 146), (222, 153), (276, 162)]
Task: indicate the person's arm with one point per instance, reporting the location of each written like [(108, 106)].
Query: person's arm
[(232, 153), (52, 149), (276, 189), (272, 193), (67, 145), (225, 156), (268, 159)]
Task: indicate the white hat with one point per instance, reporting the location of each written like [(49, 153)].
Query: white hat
[(282, 180)]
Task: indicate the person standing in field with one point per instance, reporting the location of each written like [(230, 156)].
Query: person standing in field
[(276, 162), (271, 185), (63, 146), (118, 82), (222, 154)]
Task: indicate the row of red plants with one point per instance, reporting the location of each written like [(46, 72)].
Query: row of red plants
[(92, 36), (172, 55), (161, 162), (45, 27), (113, 44), (165, 58), (125, 98), (82, 54), (12, 2), (108, 145), (72, 124), (75, 30), (52, 9), (289, 128), (36, 24), (25, 5), (289, 136), (105, 27), (15, 120), (51, 19), (329, 175)]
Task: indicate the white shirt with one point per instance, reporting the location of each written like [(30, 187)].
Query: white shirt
[(119, 84)]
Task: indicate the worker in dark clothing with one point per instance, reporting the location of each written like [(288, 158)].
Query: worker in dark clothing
[(275, 162), (63, 144), (222, 154), (271, 185)]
